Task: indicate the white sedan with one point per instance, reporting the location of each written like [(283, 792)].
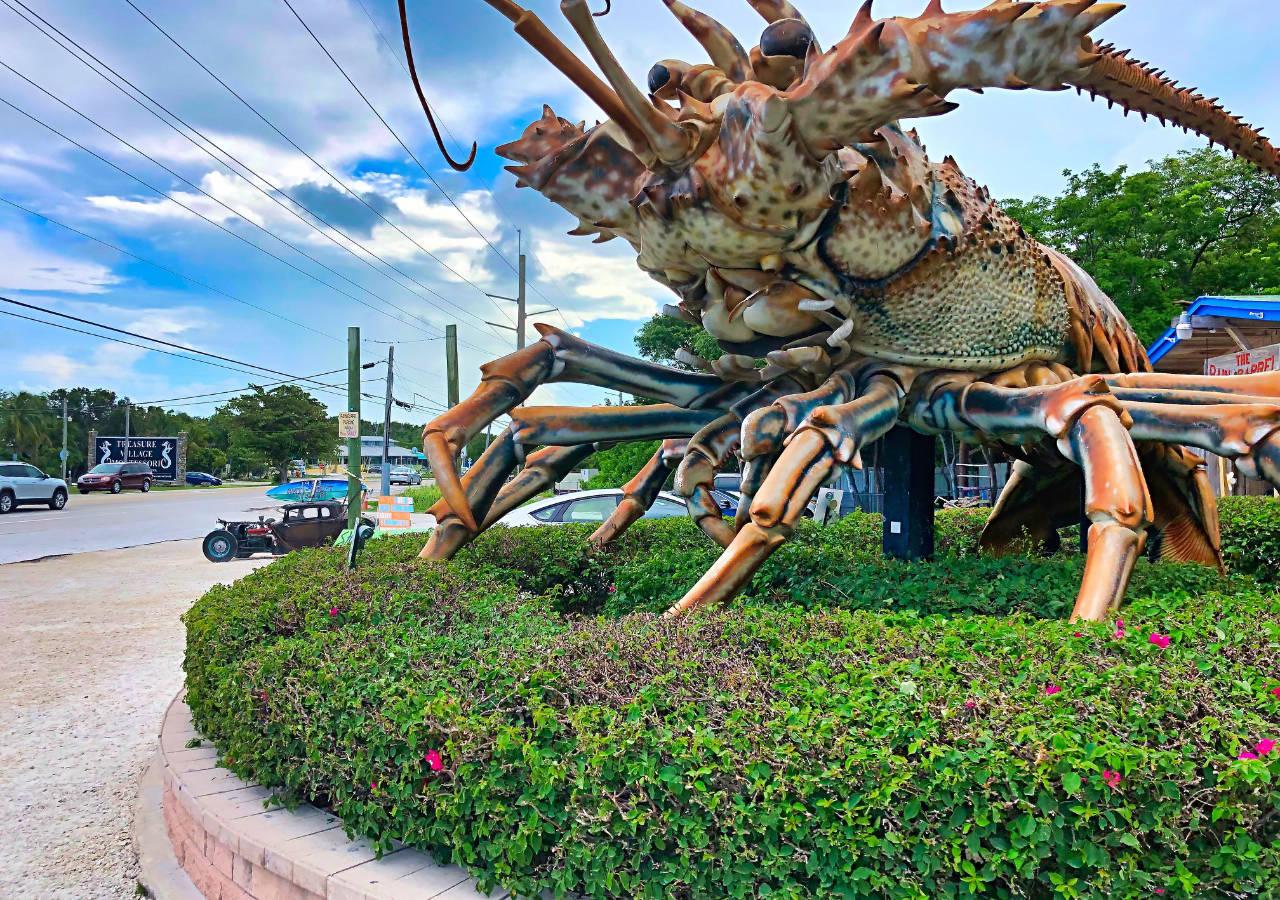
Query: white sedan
[(588, 507)]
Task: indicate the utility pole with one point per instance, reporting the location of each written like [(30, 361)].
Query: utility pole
[(386, 422), (353, 444), (522, 313), (128, 405), (451, 362), (63, 455)]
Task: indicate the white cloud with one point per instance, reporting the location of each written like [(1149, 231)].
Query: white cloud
[(604, 285), (31, 268)]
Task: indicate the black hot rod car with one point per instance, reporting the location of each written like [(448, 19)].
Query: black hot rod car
[(309, 524)]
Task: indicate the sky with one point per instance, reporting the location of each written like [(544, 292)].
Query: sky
[(254, 281)]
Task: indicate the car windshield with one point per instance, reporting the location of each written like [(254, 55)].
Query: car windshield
[(106, 469)]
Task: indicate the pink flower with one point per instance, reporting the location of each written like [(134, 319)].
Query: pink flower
[(333, 611), (1275, 692), (1111, 778), (1265, 746), (1159, 890), (1078, 634), (613, 589), (1160, 640), (432, 758), (971, 704), (1051, 689), (1245, 754), (373, 785)]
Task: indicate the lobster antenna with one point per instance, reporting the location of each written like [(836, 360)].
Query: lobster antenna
[(723, 48), (422, 98)]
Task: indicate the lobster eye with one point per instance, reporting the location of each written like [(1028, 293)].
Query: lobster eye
[(659, 76), (786, 37)]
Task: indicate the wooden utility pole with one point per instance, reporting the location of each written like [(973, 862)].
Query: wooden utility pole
[(386, 422), (451, 362), (63, 455), (522, 312), (128, 406), (354, 498)]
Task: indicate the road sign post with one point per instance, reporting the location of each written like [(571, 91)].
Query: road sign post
[(354, 498)]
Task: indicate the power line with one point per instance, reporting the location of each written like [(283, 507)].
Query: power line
[(48, 26), (404, 146), (154, 340), (163, 268), (356, 195), (217, 225)]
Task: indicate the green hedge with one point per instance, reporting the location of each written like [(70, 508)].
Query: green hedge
[(848, 729)]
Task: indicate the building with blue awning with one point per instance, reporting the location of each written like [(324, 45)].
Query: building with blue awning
[(1214, 327), (1223, 336)]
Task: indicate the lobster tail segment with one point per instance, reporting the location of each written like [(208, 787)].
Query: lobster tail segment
[(1142, 88)]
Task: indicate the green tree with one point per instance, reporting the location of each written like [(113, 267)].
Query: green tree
[(618, 464), (1192, 224), (272, 427), (26, 427), (660, 338)]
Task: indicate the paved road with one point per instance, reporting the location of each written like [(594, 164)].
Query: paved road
[(90, 654), (109, 522)]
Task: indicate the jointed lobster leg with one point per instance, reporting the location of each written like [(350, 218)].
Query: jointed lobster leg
[(559, 356), (765, 430), (573, 434), (639, 493), (1249, 433), (831, 437), (710, 448), (1091, 429)]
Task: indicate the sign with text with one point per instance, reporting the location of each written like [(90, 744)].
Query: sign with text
[(348, 425), (1245, 362), (160, 453)]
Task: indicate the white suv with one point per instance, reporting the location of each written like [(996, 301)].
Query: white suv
[(23, 484)]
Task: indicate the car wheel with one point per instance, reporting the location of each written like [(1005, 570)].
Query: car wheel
[(115, 487), (220, 546), (6, 503), (83, 490), (59, 499), (146, 486)]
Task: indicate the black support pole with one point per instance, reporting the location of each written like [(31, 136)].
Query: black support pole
[(908, 494)]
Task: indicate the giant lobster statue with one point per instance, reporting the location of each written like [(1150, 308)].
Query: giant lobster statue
[(854, 285)]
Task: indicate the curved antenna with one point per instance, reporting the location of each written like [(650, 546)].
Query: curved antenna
[(723, 48), (426, 108)]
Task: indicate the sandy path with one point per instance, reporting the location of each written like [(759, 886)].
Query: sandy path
[(90, 655)]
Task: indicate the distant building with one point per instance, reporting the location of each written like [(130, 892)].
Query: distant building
[(371, 453)]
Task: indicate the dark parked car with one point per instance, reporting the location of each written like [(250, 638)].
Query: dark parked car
[(310, 524), (203, 478), (116, 477)]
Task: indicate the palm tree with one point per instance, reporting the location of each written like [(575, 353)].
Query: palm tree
[(26, 424)]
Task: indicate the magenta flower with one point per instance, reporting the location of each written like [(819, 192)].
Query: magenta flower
[(1275, 692), (613, 589), (1051, 689), (971, 704), (373, 785), (433, 759), (1264, 746), (333, 611), (1078, 634), (1160, 640), (1159, 890), (1111, 778), (1246, 754)]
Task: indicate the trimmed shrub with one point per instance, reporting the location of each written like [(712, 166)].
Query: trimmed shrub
[(849, 728)]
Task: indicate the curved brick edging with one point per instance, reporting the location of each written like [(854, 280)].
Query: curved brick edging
[(233, 848)]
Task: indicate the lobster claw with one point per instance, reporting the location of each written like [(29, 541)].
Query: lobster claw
[(440, 457)]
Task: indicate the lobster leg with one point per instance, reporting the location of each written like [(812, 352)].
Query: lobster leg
[(707, 452), (830, 437), (572, 433), (558, 356), (639, 493), (1091, 429), (1249, 433), (765, 430)]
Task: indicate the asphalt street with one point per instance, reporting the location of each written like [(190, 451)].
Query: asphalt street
[(102, 521)]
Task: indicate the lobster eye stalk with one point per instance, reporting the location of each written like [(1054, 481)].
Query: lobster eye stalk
[(422, 98)]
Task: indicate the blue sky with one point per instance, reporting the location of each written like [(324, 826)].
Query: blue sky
[(486, 84)]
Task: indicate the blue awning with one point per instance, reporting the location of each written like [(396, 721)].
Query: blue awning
[(1256, 310)]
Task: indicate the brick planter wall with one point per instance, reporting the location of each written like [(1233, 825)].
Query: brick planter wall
[(234, 848)]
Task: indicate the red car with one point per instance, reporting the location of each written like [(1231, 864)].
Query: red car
[(116, 477)]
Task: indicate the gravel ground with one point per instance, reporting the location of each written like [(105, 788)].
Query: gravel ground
[(90, 656)]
